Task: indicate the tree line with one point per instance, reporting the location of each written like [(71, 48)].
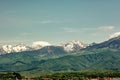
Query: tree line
[(80, 75)]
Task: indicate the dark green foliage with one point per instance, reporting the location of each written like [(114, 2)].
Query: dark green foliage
[(7, 76), (10, 76), (100, 60), (82, 75)]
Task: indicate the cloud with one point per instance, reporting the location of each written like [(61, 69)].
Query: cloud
[(39, 44), (106, 28), (115, 35)]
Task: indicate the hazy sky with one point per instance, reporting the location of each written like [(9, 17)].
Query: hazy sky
[(58, 21)]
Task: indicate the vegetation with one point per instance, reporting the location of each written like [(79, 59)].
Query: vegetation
[(6, 76), (81, 75), (10, 76)]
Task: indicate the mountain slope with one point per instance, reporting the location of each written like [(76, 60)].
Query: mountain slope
[(113, 43), (28, 56), (24, 60), (104, 59)]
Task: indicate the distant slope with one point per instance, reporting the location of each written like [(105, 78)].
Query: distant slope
[(105, 60), (24, 60), (113, 43)]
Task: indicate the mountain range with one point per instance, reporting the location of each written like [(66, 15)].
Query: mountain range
[(72, 56), (72, 46)]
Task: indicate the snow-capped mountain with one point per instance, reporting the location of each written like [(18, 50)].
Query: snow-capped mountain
[(16, 48), (74, 45), (22, 47), (115, 35)]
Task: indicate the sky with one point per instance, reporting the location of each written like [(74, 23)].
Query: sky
[(58, 21)]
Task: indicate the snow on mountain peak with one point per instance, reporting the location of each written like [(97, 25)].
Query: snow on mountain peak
[(73, 46), (40, 44), (115, 35), (16, 48), (20, 47), (81, 44), (7, 48)]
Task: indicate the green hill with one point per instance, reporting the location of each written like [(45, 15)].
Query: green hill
[(102, 59)]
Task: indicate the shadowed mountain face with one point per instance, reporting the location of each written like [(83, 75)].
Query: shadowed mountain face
[(52, 50), (113, 43)]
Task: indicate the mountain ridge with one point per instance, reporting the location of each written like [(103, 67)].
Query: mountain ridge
[(103, 56), (113, 43), (68, 47)]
